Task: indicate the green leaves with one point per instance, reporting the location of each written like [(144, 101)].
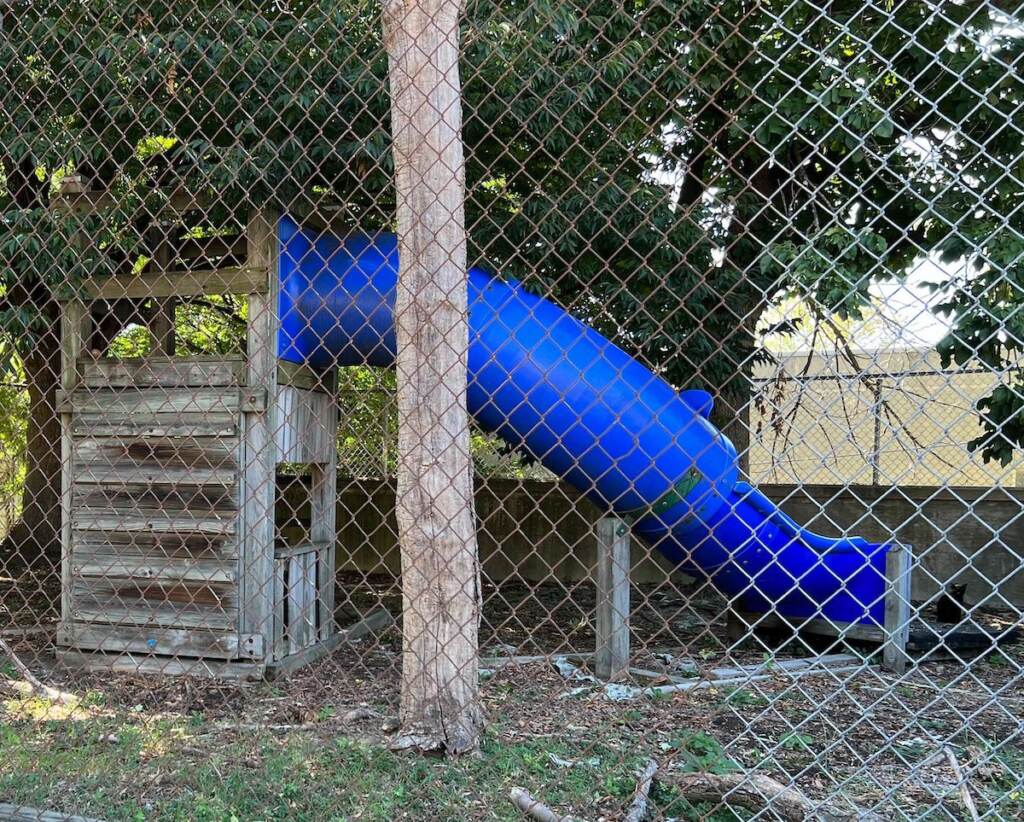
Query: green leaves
[(666, 168)]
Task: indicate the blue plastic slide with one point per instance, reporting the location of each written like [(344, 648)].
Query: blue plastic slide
[(557, 389)]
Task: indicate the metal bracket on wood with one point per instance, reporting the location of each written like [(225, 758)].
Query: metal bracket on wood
[(254, 400), (250, 646)]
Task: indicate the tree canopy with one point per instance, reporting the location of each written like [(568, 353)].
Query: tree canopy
[(663, 168)]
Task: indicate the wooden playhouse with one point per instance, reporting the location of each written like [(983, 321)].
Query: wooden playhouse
[(172, 561)]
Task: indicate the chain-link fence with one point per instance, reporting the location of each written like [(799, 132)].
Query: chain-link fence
[(821, 422), (743, 322)]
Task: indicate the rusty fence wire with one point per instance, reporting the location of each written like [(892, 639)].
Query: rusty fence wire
[(745, 319)]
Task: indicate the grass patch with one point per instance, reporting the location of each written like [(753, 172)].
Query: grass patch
[(130, 767)]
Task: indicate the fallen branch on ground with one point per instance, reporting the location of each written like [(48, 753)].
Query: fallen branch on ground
[(535, 809), (752, 791), (37, 686), (757, 792), (965, 793), (638, 807)]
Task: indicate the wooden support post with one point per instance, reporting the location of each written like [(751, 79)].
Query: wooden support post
[(612, 658), (75, 328), (323, 506), (736, 627), (898, 563), (258, 450), (162, 327)]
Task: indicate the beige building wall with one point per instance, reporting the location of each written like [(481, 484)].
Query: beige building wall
[(899, 420)]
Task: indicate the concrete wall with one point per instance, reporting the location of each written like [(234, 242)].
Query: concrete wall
[(965, 534), (538, 530), (529, 529)]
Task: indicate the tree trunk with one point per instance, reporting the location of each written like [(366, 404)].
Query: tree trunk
[(731, 416), (440, 705), (34, 540)]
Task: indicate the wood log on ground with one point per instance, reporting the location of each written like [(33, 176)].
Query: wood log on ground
[(638, 807), (757, 792), (536, 809)]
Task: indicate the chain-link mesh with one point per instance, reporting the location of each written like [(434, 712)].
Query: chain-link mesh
[(746, 412)]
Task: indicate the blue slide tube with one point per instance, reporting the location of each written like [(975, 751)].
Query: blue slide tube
[(557, 389)]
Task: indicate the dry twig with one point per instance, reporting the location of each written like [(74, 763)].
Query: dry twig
[(33, 681), (965, 794)]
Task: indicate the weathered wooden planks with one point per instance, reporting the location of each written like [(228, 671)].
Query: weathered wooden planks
[(151, 498), (304, 376), (184, 424), (188, 461), (259, 458), (323, 499), (105, 566), (129, 663), (78, 198), (301, 594), (75, 327), (302, 424), (163, 545), (169, 483), (147, 639), (145, 401), (155, 412), (242, 279), (611, 659), (153, 506), (297, 608), (152, 602), (157, 522), (899, 563), (162, 371)]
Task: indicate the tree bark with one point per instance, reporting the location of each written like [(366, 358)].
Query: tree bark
[(34, 541), (731, 416), (440, 706), (744, 790)]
